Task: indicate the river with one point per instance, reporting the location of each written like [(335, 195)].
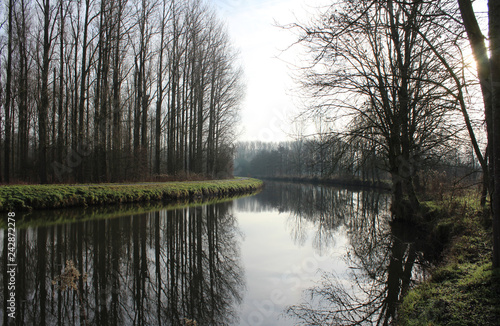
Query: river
[(292, 254)]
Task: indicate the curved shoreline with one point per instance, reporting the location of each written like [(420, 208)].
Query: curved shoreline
[(335, 182), (34, 197)]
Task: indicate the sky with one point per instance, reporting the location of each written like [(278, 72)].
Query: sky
[(271, 100), (270, 103)]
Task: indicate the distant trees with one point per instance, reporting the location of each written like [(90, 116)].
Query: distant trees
[(343, 160), (113, 90), (316, 157)]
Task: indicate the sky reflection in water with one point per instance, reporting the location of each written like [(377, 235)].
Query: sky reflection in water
[(244, 262)]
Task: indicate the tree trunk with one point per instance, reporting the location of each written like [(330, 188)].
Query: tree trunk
[(83, 89), (159, 96), (116, 144), (478, 46), (60, 133), (44, 101), (494, 31), (23, 94), (8, 97)]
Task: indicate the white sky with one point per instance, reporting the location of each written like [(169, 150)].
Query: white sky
[(269, 103)]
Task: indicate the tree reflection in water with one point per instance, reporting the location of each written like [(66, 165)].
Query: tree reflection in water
[(150, 269), (383, 256), (160, 268)]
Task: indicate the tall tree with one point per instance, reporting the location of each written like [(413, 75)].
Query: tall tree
[(8, 95), (489, 78), (160, 88), (21, 23), (494, 36), (43, 107)]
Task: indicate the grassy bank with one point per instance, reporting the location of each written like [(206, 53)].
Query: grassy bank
[(29, 197), (463, 289), (39, 218)]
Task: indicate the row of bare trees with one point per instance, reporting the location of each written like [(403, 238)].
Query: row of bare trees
[(325, 157), (330, 158), (108, 90)]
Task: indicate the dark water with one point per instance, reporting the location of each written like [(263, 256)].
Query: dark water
[(290, 255)]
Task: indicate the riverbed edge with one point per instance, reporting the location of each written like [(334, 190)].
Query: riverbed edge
[(344, 182), (37, 197), (463, 289)]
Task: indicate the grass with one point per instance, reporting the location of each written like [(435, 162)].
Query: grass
[(48, 217), (464, 289), (34, 197)]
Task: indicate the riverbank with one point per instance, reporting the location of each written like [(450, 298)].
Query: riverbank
[(47, 217), (334, 181), (463, 289), (33, 197)]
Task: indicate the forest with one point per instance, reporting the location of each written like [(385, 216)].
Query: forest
[(330, 158), (106, 91)]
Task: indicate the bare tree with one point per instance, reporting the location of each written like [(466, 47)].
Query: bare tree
[(8, 95), (373, 68), (85, 109), (160, 87), (21, 24), (48, 28)]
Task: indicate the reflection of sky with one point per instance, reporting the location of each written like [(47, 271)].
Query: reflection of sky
[(277, 269), (268, 106)]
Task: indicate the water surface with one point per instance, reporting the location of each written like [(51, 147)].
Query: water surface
[(292, 254)]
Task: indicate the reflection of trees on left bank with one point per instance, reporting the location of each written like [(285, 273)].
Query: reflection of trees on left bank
[(149, 269)]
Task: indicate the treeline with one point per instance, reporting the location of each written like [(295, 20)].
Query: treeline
[(115, 90), (327, 157), (315, 157)]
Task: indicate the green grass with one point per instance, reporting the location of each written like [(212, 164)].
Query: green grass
[(464, 289), (63, 216), (30, 197)]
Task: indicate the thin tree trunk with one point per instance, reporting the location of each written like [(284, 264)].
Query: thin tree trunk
[(83, 89), (60, 133), (23, 94), (44, 101), (159, 99), (8, 97)]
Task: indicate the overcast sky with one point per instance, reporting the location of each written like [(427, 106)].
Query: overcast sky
[(269, 103)]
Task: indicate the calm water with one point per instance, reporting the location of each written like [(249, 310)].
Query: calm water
[(290, 255)]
